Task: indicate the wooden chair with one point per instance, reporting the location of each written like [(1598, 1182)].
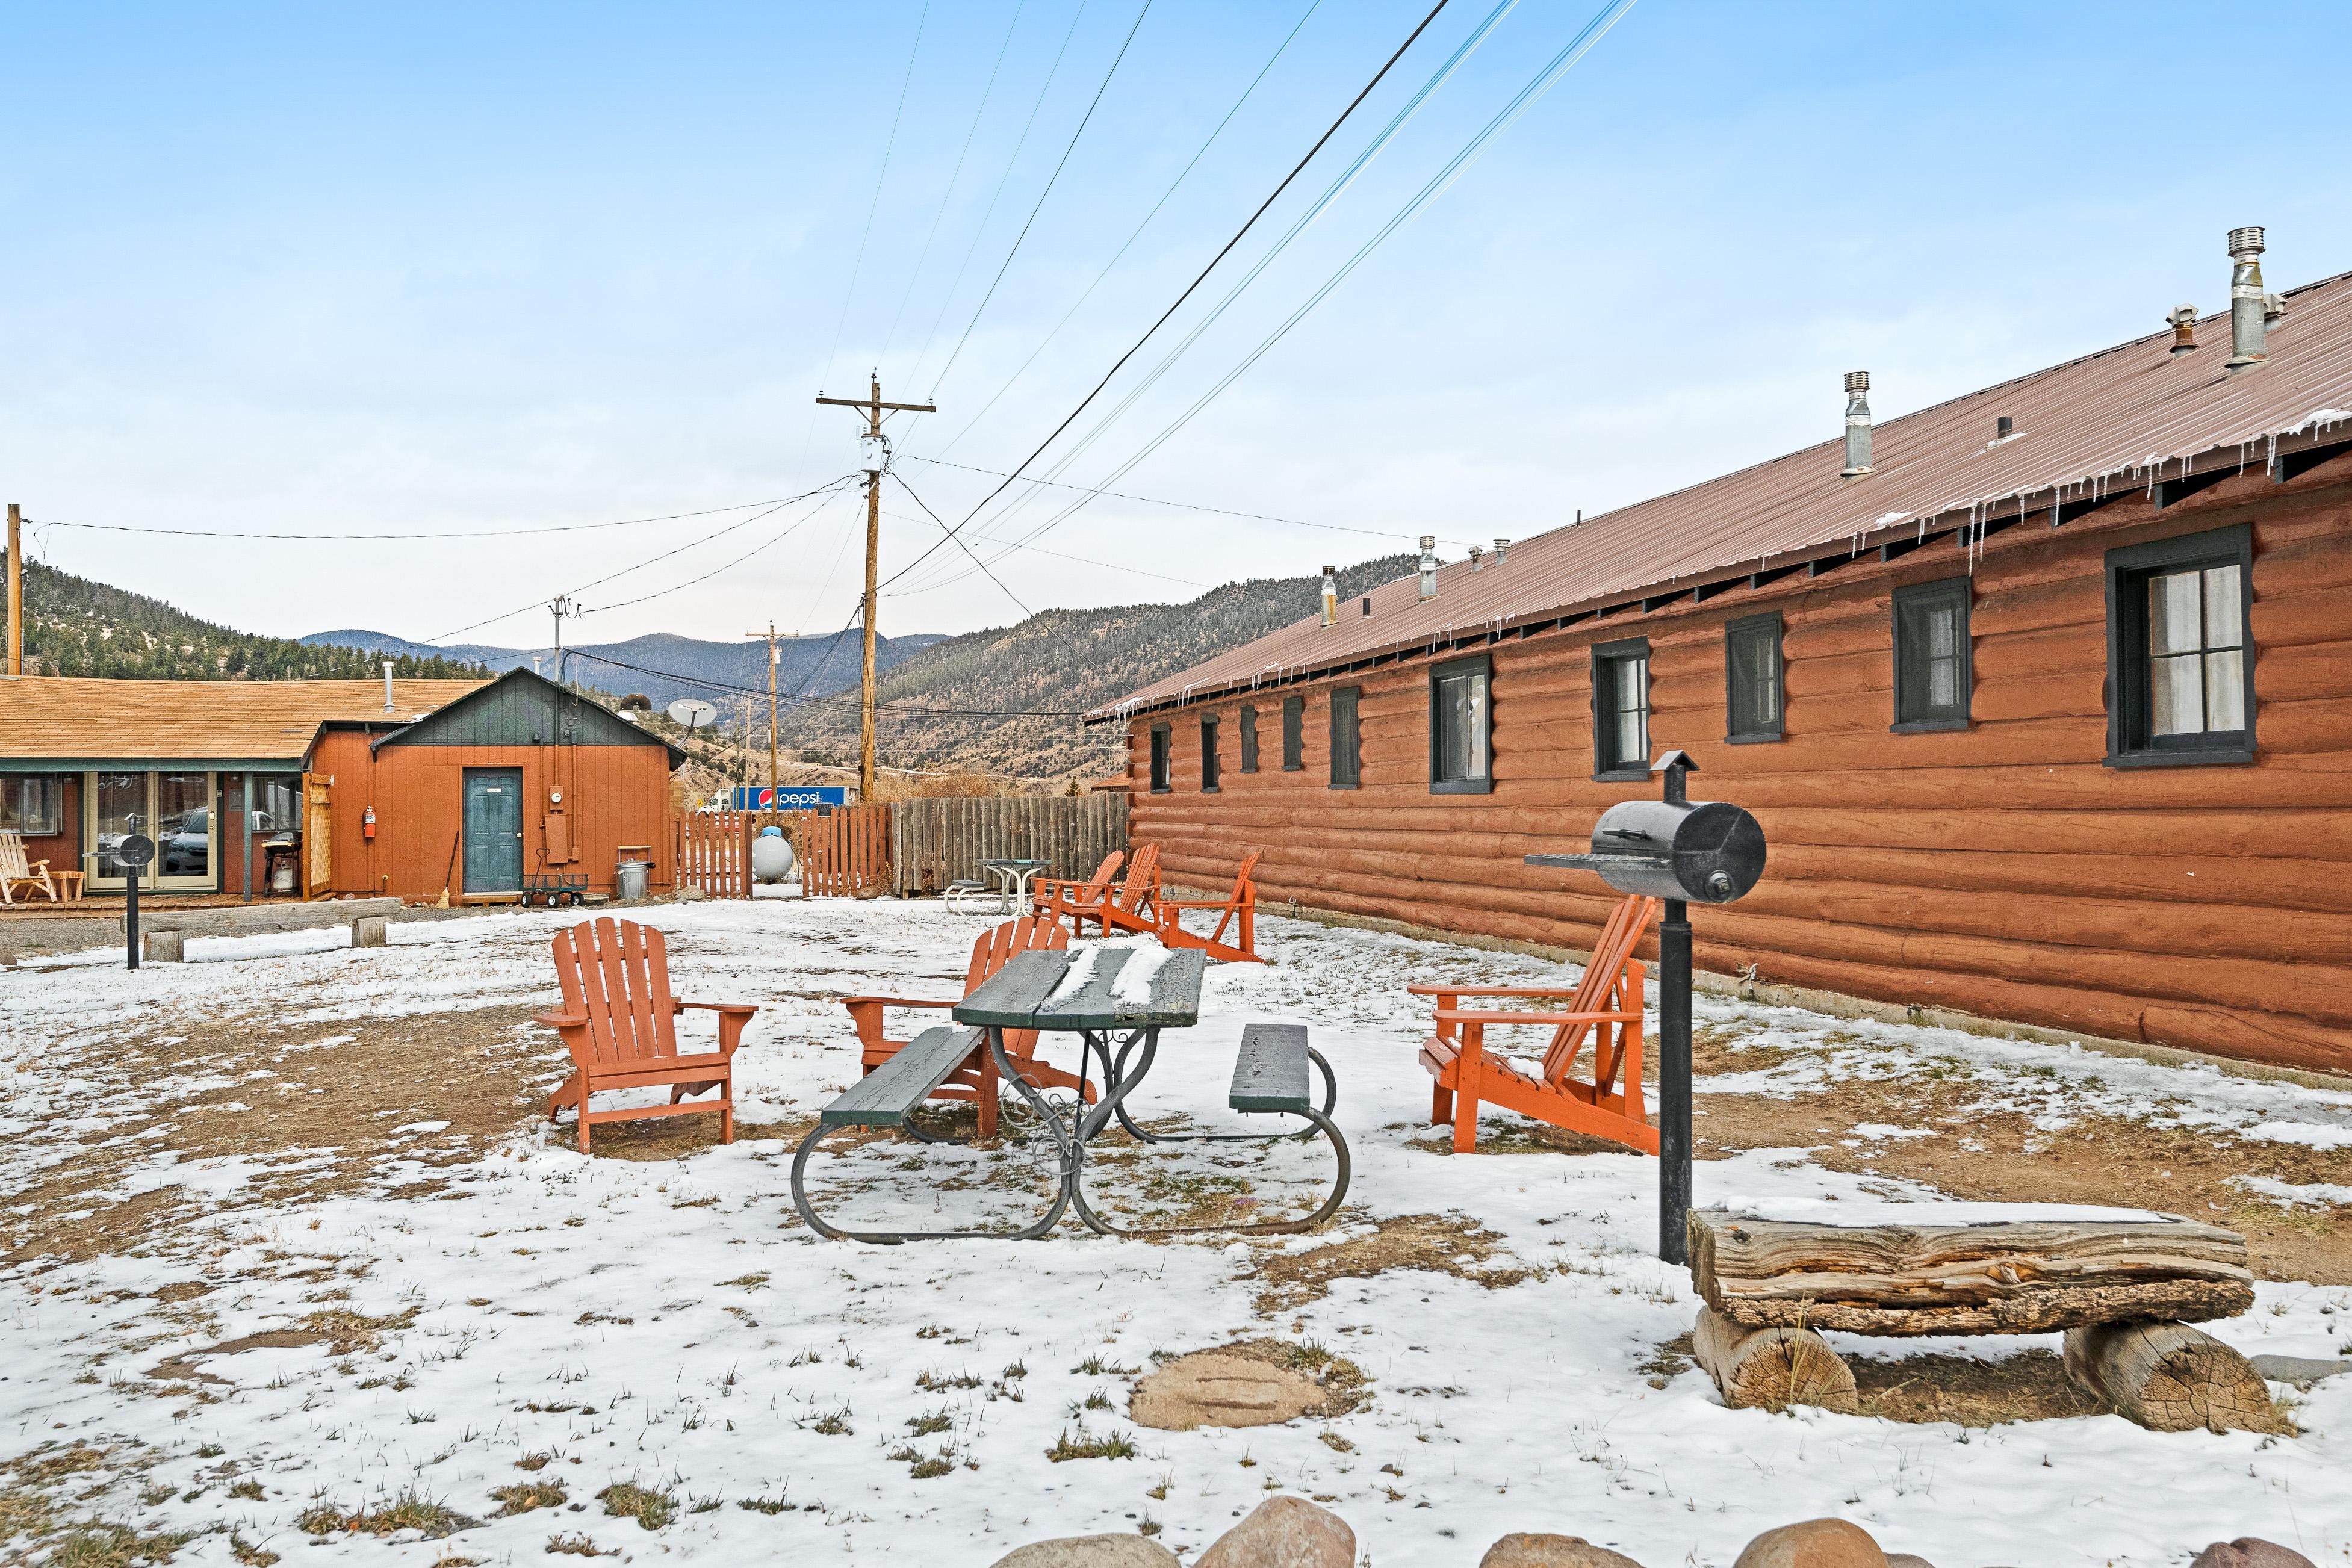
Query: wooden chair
[(616, 1022), (1237, 909), (16, 871), (1130, 907), (1605, 1006), (975, 1080), (1045, 890)]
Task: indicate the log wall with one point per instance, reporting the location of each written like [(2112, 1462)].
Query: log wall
[(2001, 870)]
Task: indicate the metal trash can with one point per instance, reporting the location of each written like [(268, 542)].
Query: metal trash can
[(629, 880)]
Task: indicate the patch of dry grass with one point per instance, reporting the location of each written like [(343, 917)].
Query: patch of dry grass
[(651, 1510), (522, 1497), (1439, 1243), (409, 1511)]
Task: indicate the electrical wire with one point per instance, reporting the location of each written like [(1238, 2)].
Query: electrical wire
[(880, 179), (1081, 559), (976, 561), (443, 534), (897, 709)]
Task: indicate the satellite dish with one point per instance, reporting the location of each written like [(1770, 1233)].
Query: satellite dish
[(692, 713)]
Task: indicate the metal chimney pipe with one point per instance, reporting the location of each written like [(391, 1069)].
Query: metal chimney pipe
[(387, 685), (1477, 559), (1429, 566), (1857, 423), (1330, 598), (1502, 551), (2183, 322), (2246, 324)]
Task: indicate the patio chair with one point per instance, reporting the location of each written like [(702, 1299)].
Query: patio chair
[(1129, 906), (975, 1080), (16, 871), (1045, 890), (1237, 910), (1604, 1007), (616, 1022)]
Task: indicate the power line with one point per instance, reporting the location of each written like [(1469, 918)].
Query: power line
[(1188, 289), (880, 179), (904, 710), (443, 534), (1081, 559), (976, 561)]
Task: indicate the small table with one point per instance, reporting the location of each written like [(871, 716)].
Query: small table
[(1012, 876), (68, 884)]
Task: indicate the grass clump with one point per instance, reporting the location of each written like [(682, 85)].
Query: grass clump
[(930, 1421), (524, 1496), (248, 1556), (114, 1546), (406, 1511), (573, 1544), (1086, 1445), (651, 1510), (767, 1505)]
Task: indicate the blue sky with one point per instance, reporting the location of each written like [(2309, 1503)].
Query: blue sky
[(450, 269)]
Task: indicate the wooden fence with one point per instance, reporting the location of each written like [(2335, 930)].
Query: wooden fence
[(714, 852), (937, 841), (844, 850)]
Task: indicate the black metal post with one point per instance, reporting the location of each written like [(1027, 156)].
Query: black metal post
[(131, 912), (1673, 1081)]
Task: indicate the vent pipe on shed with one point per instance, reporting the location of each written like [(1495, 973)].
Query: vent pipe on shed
[(387, 685), (1429, 566), (1477, 559), (2183, 322), (1857, 423), (1502, 551), (2246, 302), (1330, 598)]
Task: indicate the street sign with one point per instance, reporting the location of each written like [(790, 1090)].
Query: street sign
[(789, 797)]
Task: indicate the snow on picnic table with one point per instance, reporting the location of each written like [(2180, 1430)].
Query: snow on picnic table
[(671, 1324)]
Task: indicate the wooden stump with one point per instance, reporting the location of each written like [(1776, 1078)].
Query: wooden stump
[(163, 947), (1772, 1367), (369, 931), (2170, 1377)]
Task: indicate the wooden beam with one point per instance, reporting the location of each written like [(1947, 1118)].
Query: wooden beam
[(2170, 1377), (2168, 491)]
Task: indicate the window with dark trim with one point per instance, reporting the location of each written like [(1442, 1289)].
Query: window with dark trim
[(1931, 656), (32, 805), (1293, 735), (1460, 726), (1753, 700), (1620, 710), (1347, 738), (1209, 755), (2180, 661), (1160, 759), (1249, 738)]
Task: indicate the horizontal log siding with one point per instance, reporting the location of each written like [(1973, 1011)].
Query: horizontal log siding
[(2000, 869)]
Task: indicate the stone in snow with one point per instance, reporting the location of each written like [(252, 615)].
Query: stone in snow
[(1090, 1551), (2247, 1551), (1552, 1551), (1815, 1543), (1284, 1532)]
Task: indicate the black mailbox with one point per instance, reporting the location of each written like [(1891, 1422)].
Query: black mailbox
[(1701, 852)]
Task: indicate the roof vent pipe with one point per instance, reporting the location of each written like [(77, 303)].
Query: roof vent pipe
[(1477, 559), (2245, 300), (1857, 423), (1502, 551), (387, 685), (2183, 322), (1330, 598), (1429, 566)]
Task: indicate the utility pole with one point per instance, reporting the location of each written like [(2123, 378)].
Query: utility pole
[(772, 713), (875, 457), (562, 606), (16, 590)]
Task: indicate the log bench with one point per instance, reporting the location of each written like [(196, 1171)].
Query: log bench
[(2122, 1284)]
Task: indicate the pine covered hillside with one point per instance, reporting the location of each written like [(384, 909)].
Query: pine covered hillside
[(77, 627), (1065, 659)]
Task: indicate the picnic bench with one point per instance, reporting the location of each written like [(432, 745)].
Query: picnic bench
[(1057, 991), (2123, 1285)]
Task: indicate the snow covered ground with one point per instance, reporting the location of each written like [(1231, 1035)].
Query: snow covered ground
[(434, 1318)]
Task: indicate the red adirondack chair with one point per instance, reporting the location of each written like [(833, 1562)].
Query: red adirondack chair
[(1237, 910), (976, 1079), (616, 1022), (1605, 1006), (1045, 890), (1131, 907)]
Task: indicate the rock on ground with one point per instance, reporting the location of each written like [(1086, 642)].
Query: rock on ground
[(1284, 1532), (1212, 1388), (1905, 1560), (1090, 1551), (2248, 1551), (1552, 1551), (1815, 1543)]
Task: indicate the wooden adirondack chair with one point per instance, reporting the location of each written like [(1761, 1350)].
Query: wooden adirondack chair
[(1045, 890), (976, 1079), (1131, 907), (1238, 910), (616, 1021), (16, 871), (1605, 1006)]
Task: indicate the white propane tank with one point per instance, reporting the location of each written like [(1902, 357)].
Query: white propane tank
[(772, 856)]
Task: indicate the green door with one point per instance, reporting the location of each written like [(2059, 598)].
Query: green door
[(493, 829)]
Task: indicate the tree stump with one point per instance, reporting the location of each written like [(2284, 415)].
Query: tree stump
[(164, 946), (369, 931), (1771, 1368), (2170, 1377)]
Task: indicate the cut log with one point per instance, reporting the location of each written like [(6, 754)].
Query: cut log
[(1770, 1369), (2170, 1377), (2021, 1276)]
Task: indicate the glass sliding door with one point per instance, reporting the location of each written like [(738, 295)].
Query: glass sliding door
[(176, 809), (186, 825)]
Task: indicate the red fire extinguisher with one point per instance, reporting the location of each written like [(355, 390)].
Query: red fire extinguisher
[(367, 823)]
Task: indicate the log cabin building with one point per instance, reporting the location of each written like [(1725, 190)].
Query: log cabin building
[(2042, 696), (314, 789)]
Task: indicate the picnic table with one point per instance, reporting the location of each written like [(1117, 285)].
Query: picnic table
[(1011, 875), (1117, 1002)]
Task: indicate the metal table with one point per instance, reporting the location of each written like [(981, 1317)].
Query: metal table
[(1013, 878)]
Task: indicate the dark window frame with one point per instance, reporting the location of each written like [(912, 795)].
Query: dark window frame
[(1161, 776), (1607, 767), (1913, 714), (2131, 742), (1347, 728), (1210, 770), (1293, 735), (1249, 737), (1483, 666), (52, 788), (1768, 629)]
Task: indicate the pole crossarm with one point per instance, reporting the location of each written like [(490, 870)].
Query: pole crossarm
[(872, 402)]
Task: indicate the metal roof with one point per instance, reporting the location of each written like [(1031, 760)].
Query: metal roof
[(71, 720), (2113, 421)]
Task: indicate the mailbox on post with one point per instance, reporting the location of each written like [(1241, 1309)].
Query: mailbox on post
[(1684, 852)]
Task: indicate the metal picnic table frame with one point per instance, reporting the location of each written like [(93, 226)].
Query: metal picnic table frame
[(1014, 873), (1023, 996)]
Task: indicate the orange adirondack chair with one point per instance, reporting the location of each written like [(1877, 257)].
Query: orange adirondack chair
[(1045, 890), (1238, 910), (616, 1021), (1606, 1006), (16, 872), (1130, 908), (976, 1079)]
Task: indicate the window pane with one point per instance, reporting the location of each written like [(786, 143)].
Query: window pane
[(1943, 630), (182, 808), (1633, 684), (2224, 614), (1474, 727), (2172, 613), (2175, 703), (121, 810), (1631, 745), (1944, 683), (33, 807), (2225, 688)]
